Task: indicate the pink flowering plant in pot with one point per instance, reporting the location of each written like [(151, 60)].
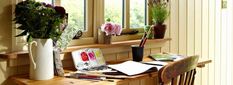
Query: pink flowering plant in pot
[(110, 29)]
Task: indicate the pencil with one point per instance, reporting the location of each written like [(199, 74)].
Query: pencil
[(142, 40), (147, 35)]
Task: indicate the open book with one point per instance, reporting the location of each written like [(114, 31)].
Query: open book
[(133, 68)]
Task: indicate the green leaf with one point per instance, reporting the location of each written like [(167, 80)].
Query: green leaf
[(29, 38)]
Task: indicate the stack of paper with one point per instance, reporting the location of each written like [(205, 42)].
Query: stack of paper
[(132, 67)]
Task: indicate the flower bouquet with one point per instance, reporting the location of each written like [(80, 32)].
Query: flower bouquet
[(43, 25), (110, 29)]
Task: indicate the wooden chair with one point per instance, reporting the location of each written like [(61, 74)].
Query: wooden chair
[(181, 72)]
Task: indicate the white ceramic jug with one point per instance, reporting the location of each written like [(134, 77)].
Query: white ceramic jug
[(41, 59)]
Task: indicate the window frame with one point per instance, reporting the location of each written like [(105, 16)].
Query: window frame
[(94, 19), (126, 23), (88, 36)]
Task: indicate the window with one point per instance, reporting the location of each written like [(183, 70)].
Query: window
[(113, 9), (137, 13), (80, 16), (132, 14), (129, 13), (76, 12), (88, 15), (46, 1)]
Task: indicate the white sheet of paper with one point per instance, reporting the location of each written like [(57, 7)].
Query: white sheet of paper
[(131, 67)]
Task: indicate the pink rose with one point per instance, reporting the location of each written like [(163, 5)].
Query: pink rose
[(118, 29), (108, 28), (111, 28)]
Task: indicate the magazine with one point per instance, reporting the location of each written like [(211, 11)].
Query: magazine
[(165, 57)]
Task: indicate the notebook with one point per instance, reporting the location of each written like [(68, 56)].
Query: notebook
[(88, 59)]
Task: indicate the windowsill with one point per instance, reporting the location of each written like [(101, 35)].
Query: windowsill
[(14, 55)]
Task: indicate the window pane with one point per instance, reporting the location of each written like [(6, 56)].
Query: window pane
[(76, 13), (46, 1), (137, 13), (113, 10)]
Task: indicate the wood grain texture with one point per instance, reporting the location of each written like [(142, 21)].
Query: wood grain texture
[(150, 42), (170, 72), (142, 79)]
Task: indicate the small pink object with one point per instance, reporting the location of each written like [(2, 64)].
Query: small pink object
[(111, 28)]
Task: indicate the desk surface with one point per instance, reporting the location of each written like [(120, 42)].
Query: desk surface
[(24, 79)]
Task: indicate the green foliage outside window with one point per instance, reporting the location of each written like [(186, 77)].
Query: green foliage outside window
[(75, 10)]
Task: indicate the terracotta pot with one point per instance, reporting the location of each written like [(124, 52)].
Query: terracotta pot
[(159, 31)]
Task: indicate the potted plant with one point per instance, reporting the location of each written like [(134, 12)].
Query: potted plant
[(159, 13), (110, 29), (40, 22)]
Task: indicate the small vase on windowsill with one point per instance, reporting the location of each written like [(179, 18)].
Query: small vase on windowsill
[(107, 38)]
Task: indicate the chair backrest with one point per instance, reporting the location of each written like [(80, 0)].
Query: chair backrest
[(181, 72)]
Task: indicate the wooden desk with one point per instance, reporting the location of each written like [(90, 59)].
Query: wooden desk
[(142, 79)]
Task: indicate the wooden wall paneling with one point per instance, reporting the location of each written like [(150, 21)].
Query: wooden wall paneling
[(223, 48), (11, 71), (198, 36), (66, 56), (217, 42), (130, 54), (118, 49), (155, 50), (12, 63), (123, 55), (183, 27), (190, 27), (158, 44), (68, 63), (24, 60), (174, 26), (23, 69), (146, 52), (3, 70), (205, 39), (211, 41), (110, 57)]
